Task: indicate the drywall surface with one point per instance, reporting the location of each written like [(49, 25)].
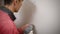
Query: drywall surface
[(43, 14)]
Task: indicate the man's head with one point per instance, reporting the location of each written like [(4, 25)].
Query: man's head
[(13, 4)]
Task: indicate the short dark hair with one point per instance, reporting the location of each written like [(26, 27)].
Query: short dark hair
[(8, 2)]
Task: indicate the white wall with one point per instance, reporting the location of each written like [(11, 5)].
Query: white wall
[(43, 14)]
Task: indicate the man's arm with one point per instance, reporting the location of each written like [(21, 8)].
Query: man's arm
[(7, 25), (22, 28)]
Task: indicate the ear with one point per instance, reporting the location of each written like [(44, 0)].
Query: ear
[(14, 3)]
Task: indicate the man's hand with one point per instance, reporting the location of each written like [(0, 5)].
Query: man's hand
[(24, 27)]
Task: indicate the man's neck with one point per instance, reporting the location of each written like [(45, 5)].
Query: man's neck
[(10, 8)]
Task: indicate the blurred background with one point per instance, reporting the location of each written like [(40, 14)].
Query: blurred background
[(43, 14)]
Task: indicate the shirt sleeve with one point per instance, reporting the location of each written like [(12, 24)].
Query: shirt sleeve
[(20, 31), (7, 26)]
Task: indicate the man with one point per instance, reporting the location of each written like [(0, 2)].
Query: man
[(7, 17)]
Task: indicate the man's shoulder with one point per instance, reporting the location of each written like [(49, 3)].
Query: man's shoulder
[(5, 19), (3, 14), (7, 26)]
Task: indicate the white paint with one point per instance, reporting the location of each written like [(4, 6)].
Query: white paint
[(45, 15)]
